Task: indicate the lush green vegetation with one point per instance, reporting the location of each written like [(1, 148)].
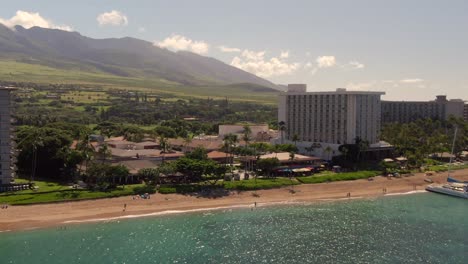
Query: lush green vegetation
[(418, 140), (60, 193), (260, 183), (245, 185), (345, 176), (12, 71), (180, 188), (441, 168), (38, 105)]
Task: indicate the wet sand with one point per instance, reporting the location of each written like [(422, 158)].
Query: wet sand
[(57, 214)]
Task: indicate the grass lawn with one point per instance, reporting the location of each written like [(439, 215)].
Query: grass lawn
[(18, 71), (245, 185), (260, 183), (439, 168), (331, 176), (54, 192)]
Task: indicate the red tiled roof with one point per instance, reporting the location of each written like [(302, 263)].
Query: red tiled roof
[(217, 155)]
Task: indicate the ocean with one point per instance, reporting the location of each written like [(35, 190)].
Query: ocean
[(416, 228)]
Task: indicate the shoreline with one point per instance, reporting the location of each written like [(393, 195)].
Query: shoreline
[(28, 217)]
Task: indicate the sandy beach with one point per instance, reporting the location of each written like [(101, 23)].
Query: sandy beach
[(57, 214)]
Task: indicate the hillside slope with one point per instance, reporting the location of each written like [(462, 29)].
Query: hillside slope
[(123, 57)]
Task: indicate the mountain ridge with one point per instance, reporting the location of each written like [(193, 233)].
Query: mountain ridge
[(124, 57)]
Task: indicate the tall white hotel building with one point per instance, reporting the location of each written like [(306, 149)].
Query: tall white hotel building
[(7, 166), (329, 118)]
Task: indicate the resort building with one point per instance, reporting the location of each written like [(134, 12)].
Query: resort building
[(328, 119), (7, 157), (406, 111)]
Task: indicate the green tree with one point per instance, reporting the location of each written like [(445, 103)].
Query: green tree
[(150, 175), (282, 128), (285, 148), (41, 151), (104, 152), (199, 153), (267, 165), (294, 139), (229, 142), (328, 150), (133, 133), (164, 144), (246, 134), (165, 131)]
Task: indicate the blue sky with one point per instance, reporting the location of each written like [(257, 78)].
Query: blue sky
[(412, 50)]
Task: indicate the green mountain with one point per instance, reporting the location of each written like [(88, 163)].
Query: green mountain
[(122, 58)]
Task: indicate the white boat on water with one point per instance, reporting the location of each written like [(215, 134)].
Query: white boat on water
[(452, 188)]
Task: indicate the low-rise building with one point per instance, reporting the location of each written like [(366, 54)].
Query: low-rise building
[(410, 111), (284, 159), (259, 132), (208, 143)]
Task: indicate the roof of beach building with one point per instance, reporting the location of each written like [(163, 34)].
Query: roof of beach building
[(120, 138), (217, 155), (286, 156), (128, 153), (147, 143), (209, 144), (135, 165)]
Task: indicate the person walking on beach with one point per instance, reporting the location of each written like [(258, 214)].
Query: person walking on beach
[(125, 207)]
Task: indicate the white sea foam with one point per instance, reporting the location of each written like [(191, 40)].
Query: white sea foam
[(406, 193), (250, 205), (168, 212)]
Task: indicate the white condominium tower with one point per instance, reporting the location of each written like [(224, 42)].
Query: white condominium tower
[(334, 118), (7, 166)]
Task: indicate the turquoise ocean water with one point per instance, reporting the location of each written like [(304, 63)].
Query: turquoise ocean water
[(417, 228)]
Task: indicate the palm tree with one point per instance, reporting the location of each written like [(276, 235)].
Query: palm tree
[(86, 148), (328, 150), (229, 141), (292, 155), (164, 143), (295, 139), (246, 134), (345, 150), (282, 128), (104, 152), (187, 141), (362, 145)]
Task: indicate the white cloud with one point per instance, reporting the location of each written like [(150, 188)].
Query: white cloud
[(31, 19), (112, 18), (326, 61), (200, 47), (256, 63), (310, 65), (361, 86), (228, 49), (284, 54), (413, 80), (386, 84), (356, 65), (177, 42), (141, 29)]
